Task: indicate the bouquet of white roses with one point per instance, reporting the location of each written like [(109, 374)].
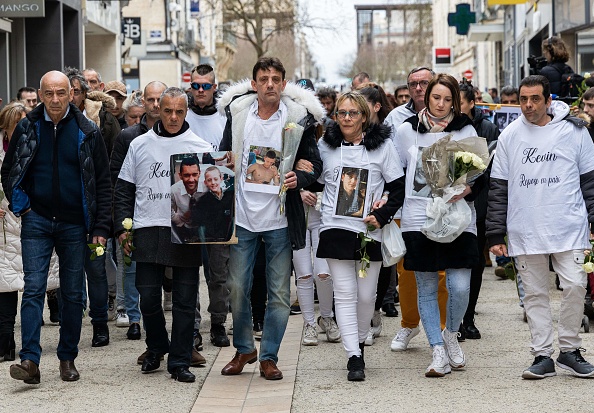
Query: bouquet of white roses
[(448, 167), (588, 265)]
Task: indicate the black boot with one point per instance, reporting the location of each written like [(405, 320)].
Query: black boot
[(100, 335), (52, 303), (7, 347)]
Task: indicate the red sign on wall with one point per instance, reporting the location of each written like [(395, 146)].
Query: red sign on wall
[(442, 55)]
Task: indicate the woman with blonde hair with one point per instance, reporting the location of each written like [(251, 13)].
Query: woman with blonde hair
[(354, 143)]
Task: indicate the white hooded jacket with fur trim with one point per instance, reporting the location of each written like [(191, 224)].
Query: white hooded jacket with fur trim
[(304, 109)]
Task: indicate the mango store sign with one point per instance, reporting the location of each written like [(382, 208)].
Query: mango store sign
[(22, 8)]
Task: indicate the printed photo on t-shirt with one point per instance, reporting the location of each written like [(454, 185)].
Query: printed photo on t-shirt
[(202, 197), (352, 193), (262, 172), (420, 187)]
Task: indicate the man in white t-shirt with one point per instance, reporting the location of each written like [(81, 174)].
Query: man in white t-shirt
[(542, 198), (206, 122), (142, 192), (257, 120)]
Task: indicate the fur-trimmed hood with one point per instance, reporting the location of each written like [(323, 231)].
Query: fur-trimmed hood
[(375, 135), (94, 102), (294, 92)]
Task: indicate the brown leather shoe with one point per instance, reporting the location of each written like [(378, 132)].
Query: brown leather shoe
[(269, 370), (26, 371), (68, 371), (197, 359), (239, 361), (141, 358)]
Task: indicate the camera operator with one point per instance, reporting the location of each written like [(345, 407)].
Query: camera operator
[(554, 50)]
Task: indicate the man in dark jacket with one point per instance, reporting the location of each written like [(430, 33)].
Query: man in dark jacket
[(53, 150), (257, 112)]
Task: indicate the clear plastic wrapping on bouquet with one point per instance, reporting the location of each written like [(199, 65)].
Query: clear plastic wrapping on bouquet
[(292, 133), (439, 162)]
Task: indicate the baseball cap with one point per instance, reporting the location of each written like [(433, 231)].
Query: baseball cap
[(116, 86), (306, 84)]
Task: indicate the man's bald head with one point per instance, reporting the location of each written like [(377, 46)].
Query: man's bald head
[(54, 76), (55, 93)]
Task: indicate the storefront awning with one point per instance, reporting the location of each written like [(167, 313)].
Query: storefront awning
[(485, 32)]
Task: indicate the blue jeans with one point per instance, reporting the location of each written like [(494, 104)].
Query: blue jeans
[(458, 285), (96, 287), (127, 294), (39, 237), (149, 281), (278, 275)]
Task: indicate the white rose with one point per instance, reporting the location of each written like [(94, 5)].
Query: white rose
[(587, 75), (99, 251), (362, 273), (588, 267), (127, 223), (466, 157)]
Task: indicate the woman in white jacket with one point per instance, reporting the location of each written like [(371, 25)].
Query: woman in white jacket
[(442, 116), (11, 265)]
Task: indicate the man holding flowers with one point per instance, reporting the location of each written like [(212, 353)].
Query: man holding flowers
[(145, 172), (542, 197)]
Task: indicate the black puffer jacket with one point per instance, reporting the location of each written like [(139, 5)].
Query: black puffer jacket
[(553, 72), (93, 160), (488, 130)]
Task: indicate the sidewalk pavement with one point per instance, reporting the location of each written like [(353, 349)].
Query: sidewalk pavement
[(314, 377)]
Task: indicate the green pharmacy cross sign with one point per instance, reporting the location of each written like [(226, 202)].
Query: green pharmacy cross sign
[(462, 18)]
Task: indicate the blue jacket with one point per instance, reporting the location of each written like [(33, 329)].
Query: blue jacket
[(93, 160)]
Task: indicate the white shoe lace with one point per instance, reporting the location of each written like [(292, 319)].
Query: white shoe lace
[(451, 341), (310, 332), (403, 334), (439, 357)]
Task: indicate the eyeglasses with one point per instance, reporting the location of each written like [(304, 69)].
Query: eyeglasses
[(204, 86), (353, 114), (422, 83)]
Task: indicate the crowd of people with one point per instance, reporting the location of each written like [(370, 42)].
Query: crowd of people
[(105, 191)]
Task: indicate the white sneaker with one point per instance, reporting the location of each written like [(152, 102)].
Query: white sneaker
[(310, 336), (440, 366), (370, 339), (376, 324), (454, 351), (328, 325), (403, 337), (167, 303), (121, 319)]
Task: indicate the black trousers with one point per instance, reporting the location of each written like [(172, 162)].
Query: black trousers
[(476, 275), (8, 312)]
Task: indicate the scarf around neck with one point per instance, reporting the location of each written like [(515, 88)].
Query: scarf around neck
[(434, 124)]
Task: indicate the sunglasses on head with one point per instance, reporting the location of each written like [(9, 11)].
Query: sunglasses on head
[(204, 86)]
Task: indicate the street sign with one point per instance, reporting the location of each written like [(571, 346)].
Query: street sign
[(467, 74), (131, 29), (186, 77)]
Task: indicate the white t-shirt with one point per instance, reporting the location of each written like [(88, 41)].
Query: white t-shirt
[(260, 211), (373, 169), (209, 127), (418, 193), (147, 165), (546, 212)]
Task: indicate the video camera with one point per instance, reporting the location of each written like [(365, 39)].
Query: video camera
[(536, 64)]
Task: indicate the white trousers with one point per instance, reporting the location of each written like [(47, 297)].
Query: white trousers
[(307, 268), (354, 300), (534, 270)]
